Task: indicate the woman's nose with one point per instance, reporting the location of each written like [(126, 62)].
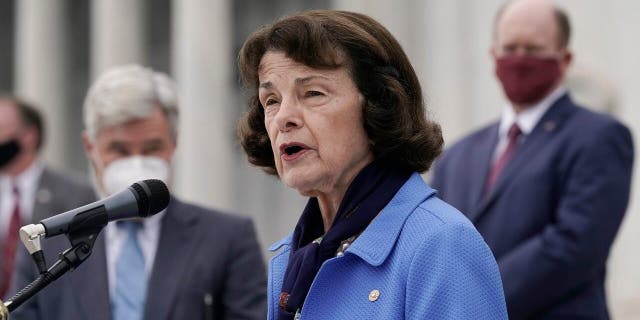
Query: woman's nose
[(289, 115)]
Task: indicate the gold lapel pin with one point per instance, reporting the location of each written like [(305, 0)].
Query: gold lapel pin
[(374, 295)]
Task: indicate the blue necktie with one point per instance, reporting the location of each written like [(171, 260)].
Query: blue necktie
[(131, 279)]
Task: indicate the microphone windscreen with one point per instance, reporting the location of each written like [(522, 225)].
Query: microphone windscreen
[(153, 196)]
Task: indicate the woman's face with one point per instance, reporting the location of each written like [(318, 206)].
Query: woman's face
[(314, 121)]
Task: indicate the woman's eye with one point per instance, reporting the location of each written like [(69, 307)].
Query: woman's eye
[(270, 101), (313, 93)]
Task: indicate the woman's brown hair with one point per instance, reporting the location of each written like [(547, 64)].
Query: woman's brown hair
[(393, 112)]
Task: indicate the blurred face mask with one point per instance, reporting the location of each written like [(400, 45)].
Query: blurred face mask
[(526, 80), (8, 151), (122, 173)]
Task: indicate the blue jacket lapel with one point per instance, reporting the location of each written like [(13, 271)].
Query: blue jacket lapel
[(377, 241), (541, 134), (171, 260), (369, 246)]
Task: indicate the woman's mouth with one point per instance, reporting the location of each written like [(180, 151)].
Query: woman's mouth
[(292, 151)]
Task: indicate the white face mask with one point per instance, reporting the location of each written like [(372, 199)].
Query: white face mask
[(122, 173)]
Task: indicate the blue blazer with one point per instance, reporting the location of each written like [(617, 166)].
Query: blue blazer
[(554, 211), (424, 257), (200, 253)]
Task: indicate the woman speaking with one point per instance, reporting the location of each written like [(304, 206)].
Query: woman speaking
[(337, 113)]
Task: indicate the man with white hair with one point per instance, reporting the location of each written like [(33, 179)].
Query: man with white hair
[(186, 262)]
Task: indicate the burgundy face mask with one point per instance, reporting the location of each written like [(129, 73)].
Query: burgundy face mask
[(526, 80)]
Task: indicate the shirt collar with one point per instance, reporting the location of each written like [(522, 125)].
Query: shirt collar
[(28, 179), (155, 220), (528, 118), (152, 221)]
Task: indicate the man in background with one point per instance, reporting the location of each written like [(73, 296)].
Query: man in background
[(548, 184), (29, 190), (186, 262)]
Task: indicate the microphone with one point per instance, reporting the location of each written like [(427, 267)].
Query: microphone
[(141, 199)]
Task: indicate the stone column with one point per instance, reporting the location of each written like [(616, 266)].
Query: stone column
[(202, 64), (623, 274), (41, 69), (118, 33)]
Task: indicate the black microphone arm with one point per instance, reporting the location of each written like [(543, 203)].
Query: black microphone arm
[(82, 226)]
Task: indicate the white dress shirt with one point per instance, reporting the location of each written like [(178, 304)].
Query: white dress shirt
[(27, 184), (527, 119), (148, 238)]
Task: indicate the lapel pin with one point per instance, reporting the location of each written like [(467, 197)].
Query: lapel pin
[(43, 195), (549, 126), (374, 295)]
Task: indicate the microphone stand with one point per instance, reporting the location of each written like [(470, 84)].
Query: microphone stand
[(82, 234)]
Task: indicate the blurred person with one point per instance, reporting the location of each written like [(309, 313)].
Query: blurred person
[(548, 184), (337, 114), (29, 190), (186, 262)]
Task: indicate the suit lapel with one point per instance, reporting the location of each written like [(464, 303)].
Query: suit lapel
[(172, 258), (541, 134), (91, 284), (480, 170), (44, 203)]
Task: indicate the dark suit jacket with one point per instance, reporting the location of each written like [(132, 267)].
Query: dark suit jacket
[(554, 211), (200, 252), (57, 193)]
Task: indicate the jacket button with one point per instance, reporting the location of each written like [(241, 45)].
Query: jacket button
[(374, 295)]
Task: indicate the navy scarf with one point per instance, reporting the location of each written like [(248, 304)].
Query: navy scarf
[(367, 195)]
